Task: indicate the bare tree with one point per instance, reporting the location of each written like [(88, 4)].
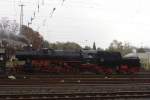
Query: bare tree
[(118, 46)]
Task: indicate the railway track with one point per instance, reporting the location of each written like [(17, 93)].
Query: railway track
[(47, 81), (80, 96), (40, 75), (23, 90), (71, 88)]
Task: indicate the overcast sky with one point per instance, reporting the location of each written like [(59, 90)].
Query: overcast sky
[(86, 21)]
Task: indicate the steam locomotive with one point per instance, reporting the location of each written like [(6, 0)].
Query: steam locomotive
[(76, 62)]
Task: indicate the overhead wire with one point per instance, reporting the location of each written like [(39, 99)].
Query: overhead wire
[(36, 10), (51, 15), (51, 12), (63, 2)]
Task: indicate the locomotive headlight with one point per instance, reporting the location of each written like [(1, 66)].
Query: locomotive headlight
[(101, 60), (90, 56), (1, 58)]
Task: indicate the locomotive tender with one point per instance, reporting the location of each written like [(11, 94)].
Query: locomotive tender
[(76, 62)]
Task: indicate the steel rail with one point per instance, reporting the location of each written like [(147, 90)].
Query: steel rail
[(38, 75), (79, 96), (47, 81)]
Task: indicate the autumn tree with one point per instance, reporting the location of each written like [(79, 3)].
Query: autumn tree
[(32, 36), (8, 27), (141, 50), (87, 48), (9, 31), (100, 49), (71, 46), (65, 46), (118, 46)]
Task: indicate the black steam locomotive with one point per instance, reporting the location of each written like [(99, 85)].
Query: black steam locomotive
[(76, 62)]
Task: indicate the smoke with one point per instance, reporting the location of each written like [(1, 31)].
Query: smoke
[(14, 37), (9, 30)]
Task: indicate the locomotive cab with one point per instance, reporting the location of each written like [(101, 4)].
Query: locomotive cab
[(109, 61)]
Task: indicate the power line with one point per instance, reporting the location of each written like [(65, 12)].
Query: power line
[(35, 12), (63, 2), (51, 14)]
